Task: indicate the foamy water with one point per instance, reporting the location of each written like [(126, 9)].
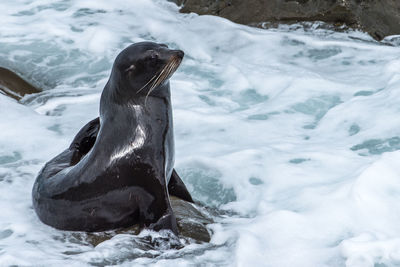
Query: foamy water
[(294, 134)]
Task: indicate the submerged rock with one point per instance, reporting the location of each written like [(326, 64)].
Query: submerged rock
[(14, 86), (379, 18), (192, 223)]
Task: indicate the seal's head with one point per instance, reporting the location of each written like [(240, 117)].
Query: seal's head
[(142, 67)]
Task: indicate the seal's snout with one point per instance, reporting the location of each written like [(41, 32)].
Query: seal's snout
[(178, 53)]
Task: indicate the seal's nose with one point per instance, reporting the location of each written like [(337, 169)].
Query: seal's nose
[(179, 53)]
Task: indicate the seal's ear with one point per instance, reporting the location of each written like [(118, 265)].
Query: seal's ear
[(130, 68)]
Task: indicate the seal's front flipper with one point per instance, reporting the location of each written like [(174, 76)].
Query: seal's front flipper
[(177, 188), (84, 140)]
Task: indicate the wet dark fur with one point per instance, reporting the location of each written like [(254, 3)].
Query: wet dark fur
[(118, 171)]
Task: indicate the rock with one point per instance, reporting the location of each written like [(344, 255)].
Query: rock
[(14, 86), (192, 223), (379, 18), (191, 220)]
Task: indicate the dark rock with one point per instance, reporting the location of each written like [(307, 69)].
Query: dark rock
[(192, 223), (379, 18), (191, 220), (14, 86)]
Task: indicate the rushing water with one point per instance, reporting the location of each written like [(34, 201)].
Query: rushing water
[(294, 134)]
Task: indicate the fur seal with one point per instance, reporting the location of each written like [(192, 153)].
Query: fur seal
[(118, 170)]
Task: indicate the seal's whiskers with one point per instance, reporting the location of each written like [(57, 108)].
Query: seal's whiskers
[(147, 83), (156, 76), (169, 68)]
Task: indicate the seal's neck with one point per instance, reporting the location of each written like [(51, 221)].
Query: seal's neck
[(131, 125), (115, 99)]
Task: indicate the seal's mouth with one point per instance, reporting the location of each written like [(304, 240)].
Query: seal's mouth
[(166, 72)]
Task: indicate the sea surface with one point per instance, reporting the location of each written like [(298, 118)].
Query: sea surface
[(293, 134)]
